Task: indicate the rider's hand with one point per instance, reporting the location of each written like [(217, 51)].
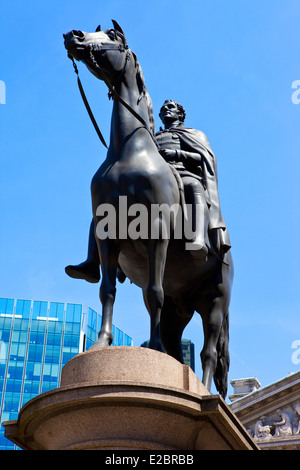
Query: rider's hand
[(169, 155)]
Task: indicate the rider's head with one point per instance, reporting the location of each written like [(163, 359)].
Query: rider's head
[(171, 111)]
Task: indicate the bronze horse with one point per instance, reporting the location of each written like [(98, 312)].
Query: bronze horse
[(173, 286)]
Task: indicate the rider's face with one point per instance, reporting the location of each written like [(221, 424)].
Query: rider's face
[(169, 112)]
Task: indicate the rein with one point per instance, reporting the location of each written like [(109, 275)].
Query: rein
[(112, 91), (84, 98)]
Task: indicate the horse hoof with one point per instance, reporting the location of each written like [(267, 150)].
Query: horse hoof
[(156, 347), (103, 342)]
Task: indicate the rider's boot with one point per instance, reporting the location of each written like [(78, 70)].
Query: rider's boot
[(199, 251), (89, 270), (198, 247)]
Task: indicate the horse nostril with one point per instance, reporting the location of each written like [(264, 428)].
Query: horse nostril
[(78, 34)]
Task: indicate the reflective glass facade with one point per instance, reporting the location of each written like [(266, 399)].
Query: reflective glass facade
[(188, 351), (37, 338)]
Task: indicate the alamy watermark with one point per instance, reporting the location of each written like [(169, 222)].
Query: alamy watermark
[(296, 353), (137, 221), (296, 94), (2, 92)]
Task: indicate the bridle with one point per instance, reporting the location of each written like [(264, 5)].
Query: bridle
[(110, 47), (111, 87)]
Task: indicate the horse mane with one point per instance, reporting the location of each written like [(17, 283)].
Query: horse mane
[(144, 93)]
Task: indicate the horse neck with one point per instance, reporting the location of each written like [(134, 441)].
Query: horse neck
[(123, 124)]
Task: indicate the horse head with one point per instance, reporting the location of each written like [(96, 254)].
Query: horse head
[(103, 52)]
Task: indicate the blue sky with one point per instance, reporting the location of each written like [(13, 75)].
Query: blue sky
[(231, 65)]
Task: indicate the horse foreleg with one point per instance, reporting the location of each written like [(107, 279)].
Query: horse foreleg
[(174, 319), (109, 261), (154, 294)]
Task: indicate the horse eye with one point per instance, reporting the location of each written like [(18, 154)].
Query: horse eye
[(112, 34)]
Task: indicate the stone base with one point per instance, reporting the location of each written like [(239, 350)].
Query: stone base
[(127, 398)]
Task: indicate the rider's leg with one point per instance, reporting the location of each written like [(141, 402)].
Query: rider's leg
[(198, 214), (89, 269)]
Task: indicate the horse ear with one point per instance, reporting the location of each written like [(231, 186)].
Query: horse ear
[(118, 27), (98, 28)]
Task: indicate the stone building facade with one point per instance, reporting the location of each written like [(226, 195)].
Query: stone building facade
[(270, 414)]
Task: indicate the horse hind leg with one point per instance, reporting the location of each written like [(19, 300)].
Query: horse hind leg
[(214, 355), (109, 262), (221, 373)]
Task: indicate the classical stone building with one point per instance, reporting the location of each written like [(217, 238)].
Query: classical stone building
[(270, 414)]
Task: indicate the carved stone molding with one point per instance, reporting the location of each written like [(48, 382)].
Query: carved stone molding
[(272, 415)]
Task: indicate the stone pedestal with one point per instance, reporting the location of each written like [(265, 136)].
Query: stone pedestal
[(127, 398)]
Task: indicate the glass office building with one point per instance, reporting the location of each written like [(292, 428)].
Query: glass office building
[(188, 351), (37, 338)]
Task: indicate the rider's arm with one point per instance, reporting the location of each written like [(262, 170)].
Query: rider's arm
[(190, 158)]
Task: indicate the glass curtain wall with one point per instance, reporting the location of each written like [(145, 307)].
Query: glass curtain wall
[(37, 338)]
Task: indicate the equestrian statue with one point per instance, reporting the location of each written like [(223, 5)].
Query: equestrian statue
[(174, 168)]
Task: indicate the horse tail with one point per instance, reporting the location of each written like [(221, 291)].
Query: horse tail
[(220, 376)]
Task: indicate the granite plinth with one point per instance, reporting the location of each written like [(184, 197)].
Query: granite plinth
[(127, 398)]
